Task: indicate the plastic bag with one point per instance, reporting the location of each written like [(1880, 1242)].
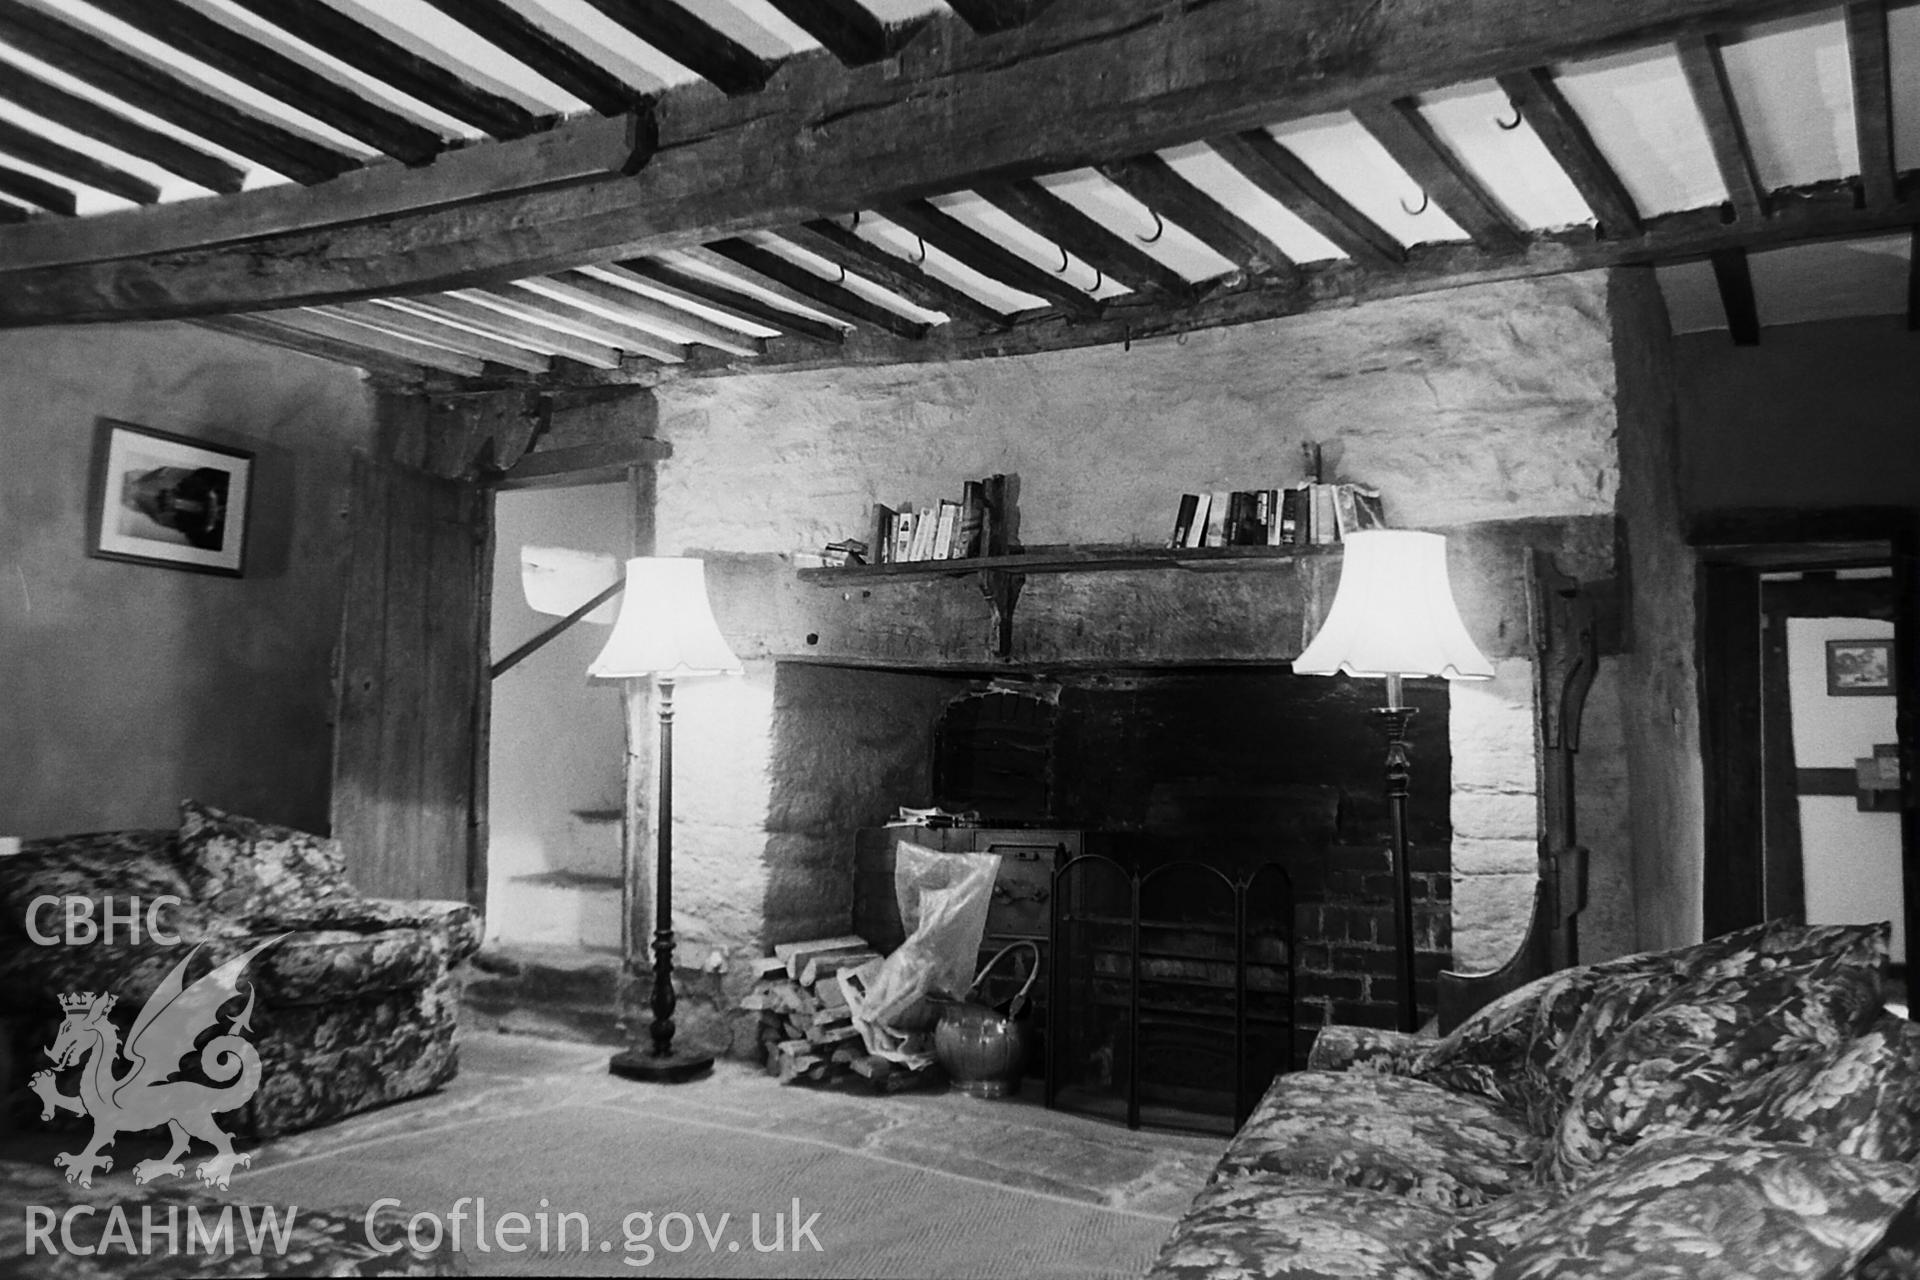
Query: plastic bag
[(943, 901)]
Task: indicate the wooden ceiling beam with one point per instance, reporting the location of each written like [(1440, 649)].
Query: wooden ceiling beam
[(261, 329), (1706, 73), (1735, 280), (84, 116), (849, 30), (1285, 178), (592, 149), (1156, 184), (677, 325), (835, 300), (987, 16), (1560, 129), (989, 257), (851, 252), (1913, 280), (692, 42), (338, 328), (530, 43), (1031, 204), (1868, 46), (1411, 141), (578, 308), (442, 334), (513, 326), (1091, 83), (278, 76), (23, 144), (38, 192), (689, 287), (140, 84), (359, 46)]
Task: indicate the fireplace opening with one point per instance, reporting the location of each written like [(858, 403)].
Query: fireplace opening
[(1271, 784)]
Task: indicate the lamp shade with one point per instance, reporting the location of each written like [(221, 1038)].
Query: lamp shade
[(666, 626), (1394, 613)]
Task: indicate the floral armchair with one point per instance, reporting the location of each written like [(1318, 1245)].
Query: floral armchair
[(1745, 1107), (354, 1005)]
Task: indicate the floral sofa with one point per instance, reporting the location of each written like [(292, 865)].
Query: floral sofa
[(1746, 1107), (352, 1007)]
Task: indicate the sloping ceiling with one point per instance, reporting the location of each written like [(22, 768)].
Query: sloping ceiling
[(578, 191)]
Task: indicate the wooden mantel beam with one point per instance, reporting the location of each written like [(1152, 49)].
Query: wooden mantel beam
[(1097, 80)]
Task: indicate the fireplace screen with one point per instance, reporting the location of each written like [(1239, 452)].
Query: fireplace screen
[(1172, 990)]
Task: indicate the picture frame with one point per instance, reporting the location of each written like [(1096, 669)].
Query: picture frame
[(169, 500), (1859, 668)]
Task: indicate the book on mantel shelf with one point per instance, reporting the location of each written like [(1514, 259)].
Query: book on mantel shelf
[(1307, 514)]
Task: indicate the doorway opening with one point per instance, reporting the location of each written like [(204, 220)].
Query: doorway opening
[(1806, 650)]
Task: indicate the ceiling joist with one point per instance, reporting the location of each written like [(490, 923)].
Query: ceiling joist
[(830, 296), (849, 251), (1086, 84), (1568, 140), (1278, 173), (1872, 98), (1410, 140), (1706, 72), (71, 111), (1157, 185), (850, 31), (990, 258), (697, 290)]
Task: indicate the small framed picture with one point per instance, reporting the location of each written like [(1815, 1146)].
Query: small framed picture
[(1859, 668), (164, 499)]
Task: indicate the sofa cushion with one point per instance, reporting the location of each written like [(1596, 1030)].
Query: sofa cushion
[(1861, 1098), (1479, 1238), (140, 864), (1745, 953), (1896, 1256), (241, 868), (1387, 1133), (1271, 1226), (1343, 1048), (453, 928), (1679, 1061), (1697, 1207)]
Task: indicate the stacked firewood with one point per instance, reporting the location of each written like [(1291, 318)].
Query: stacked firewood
[(807, 1034)]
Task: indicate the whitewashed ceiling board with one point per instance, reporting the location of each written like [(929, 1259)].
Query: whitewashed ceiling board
[(860, 285), (1642, 117), (903, 243), (1014, 236), (1119, 212), (1903, 36), (1512, 164), (1202, 166), (1793, 86), (1352, 162)]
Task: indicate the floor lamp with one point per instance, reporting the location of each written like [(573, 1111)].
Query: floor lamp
[(1394, 616), (666, 631)]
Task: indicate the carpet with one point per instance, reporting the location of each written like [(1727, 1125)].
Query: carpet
[(737, 1175)]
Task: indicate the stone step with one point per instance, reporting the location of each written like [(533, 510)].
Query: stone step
[(557, 993), (592, 845), (562, 908)]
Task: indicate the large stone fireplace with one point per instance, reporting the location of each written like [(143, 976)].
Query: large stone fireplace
[(1487, 413)]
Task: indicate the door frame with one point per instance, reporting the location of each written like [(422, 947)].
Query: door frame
[(1734, 549)]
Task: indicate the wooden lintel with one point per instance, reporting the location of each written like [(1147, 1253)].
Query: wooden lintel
[(1072, 90), (1411, 141), (1735, 279), (1867, 44), (1566, 137), (1706, 72), (576, 465)]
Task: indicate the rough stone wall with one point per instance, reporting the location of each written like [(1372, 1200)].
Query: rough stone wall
[(1491, 403)]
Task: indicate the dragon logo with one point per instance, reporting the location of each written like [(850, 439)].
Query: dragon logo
[(146, 1096)]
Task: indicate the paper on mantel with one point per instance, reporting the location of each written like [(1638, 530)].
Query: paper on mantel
[(558, 580)]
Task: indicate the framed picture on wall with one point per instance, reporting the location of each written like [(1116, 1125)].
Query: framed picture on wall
[(164, 499), (1859, 668)]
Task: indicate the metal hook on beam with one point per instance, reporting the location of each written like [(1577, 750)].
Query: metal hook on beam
[(1064, 263), (923, 251), (1425, 201), (1159, 228), (1510, 125)]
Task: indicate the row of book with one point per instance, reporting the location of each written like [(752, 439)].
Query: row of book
[(949, 529), (1303, 515)]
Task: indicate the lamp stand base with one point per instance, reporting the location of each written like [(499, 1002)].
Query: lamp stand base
[(660, 1068)]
